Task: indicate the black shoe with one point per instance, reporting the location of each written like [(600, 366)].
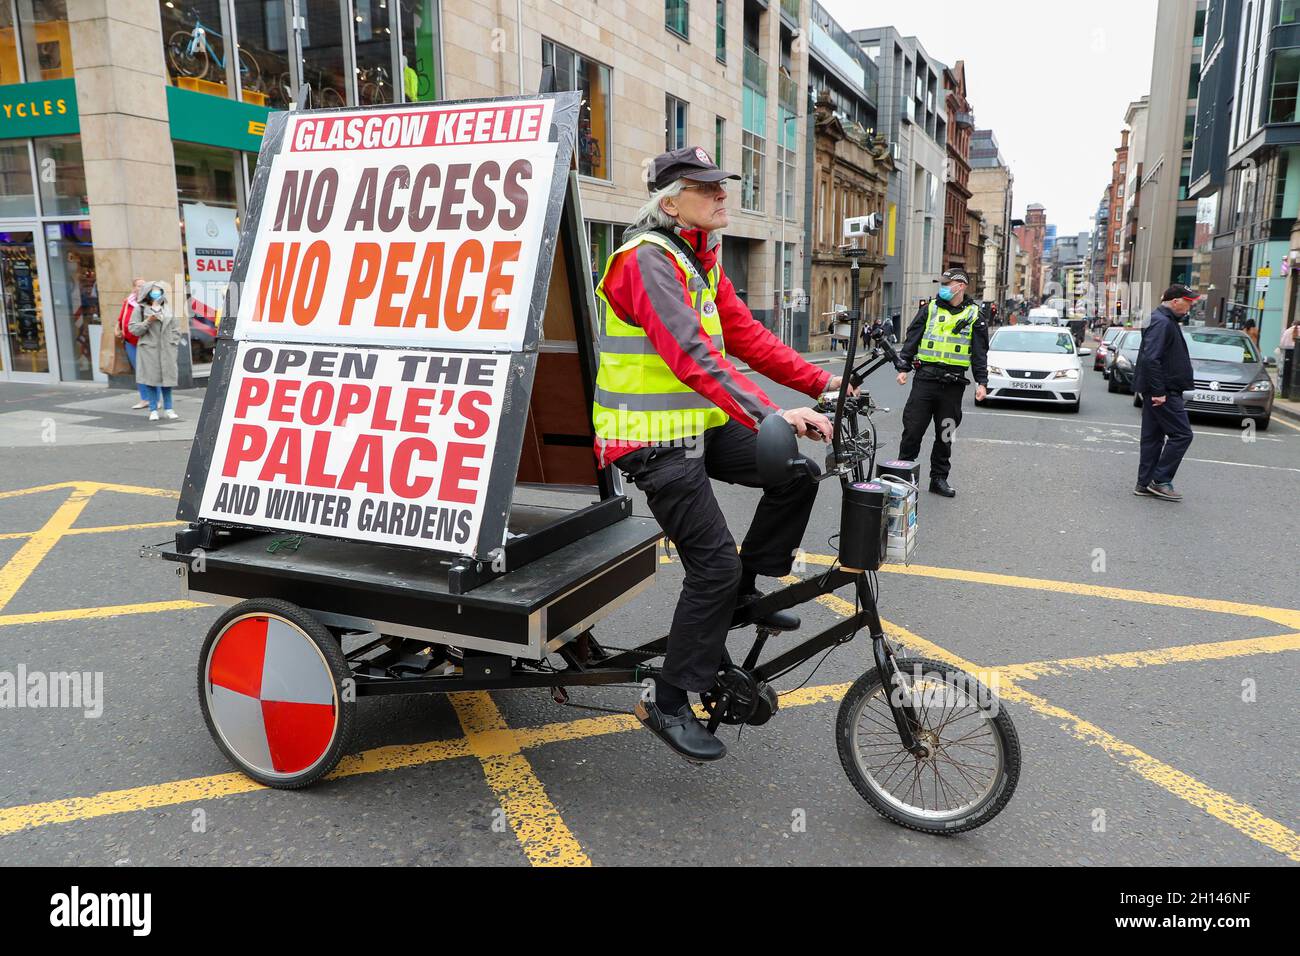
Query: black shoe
[(777, 620), (1163, 489), (682, 731), (1142, 491), (940, 486)]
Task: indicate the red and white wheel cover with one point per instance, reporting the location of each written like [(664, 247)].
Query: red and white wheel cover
[(271, 695)]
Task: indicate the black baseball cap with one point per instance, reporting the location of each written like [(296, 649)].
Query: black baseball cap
[(689, 162), (954, 275), (1179, 291)]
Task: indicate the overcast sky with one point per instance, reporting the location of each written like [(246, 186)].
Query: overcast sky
[(1051, 79)]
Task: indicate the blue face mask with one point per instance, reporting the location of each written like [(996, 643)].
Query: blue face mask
[(155, 295), (945, 293)]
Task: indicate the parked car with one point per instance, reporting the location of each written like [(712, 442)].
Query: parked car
[(1044, 315), (1035, 363), (1229, 377), (1121, 358), (1099, 359)]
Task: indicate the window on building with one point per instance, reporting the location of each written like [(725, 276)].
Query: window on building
[(1198, 32), (45, 39), (1286, 80), (1194, 81), (1289, 12), (1184, 178), (573, 71), (1114, 260), (1185, 231), (677, 15), (421, 48), (753, 148), (322, 55), (1189, 130), (674, 122), (374, 51), (62, 177), (1279, 189), (194, 46), (719, 139), (17, 198), (263, 51), (720, 41), (785, 158), (9, 72)]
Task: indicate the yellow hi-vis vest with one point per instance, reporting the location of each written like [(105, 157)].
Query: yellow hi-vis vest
[(940, 344), (638, 397)]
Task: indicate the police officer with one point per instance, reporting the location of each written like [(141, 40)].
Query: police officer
[(948, 338)]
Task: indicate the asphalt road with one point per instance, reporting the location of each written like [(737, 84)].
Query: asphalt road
[(1133, 754)]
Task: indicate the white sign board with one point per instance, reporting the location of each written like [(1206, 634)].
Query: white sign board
[(416, 228), (211, 238)]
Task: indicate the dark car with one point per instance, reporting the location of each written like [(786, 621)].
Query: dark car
[(1229, 377), (1099, 358), (1121, 358)]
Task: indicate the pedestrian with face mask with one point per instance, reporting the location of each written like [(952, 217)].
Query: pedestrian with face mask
[(156, 371)]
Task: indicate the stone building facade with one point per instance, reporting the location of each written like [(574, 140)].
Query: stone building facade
[(851, 173)]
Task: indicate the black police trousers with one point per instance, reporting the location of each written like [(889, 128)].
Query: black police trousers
[(931, 401), (676, 482)]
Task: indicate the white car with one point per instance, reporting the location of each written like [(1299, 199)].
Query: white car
[(1044, 315), (1035, 363)]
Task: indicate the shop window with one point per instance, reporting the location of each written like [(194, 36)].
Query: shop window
[(74, 295), (263, 51), (61, 176), (205, 174), (9, 72), (46, 42), (17, 198), (573, 71), (194, 47), (420, 49), (322, 55), (374, 51)]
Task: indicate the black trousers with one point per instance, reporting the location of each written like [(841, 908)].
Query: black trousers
[(677, 486), (1166, 435), (931, 401)]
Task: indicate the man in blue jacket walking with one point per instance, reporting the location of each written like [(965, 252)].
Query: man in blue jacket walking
[(1163, 373)]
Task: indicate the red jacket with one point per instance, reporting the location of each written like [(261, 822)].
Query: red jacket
[(645, 287), (129, 305)]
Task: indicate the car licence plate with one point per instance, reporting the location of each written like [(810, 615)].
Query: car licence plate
[(1018, 384), (1221, 398)]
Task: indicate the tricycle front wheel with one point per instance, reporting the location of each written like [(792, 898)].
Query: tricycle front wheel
[(276, 693), (971, 762)]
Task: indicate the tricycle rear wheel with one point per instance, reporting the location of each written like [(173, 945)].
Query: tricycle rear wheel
[(276, 693)]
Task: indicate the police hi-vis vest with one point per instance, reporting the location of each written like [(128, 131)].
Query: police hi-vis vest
[(638, 397), (940, 343)]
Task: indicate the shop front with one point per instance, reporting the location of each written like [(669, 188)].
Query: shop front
[(49, 299)]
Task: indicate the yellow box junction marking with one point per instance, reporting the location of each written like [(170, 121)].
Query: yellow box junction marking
[(545, 838)]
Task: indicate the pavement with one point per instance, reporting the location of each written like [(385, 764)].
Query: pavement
[(1145, 650)]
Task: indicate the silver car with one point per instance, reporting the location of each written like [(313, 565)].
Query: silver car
[(1229, 376)]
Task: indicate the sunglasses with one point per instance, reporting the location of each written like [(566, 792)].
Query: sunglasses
[(709, 189)]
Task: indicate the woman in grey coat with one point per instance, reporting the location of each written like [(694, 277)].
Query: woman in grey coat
[(156, 371)]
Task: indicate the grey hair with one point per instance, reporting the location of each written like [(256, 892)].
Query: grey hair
[(650, 215)]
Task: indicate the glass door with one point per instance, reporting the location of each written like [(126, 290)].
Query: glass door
[(24, 333)]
